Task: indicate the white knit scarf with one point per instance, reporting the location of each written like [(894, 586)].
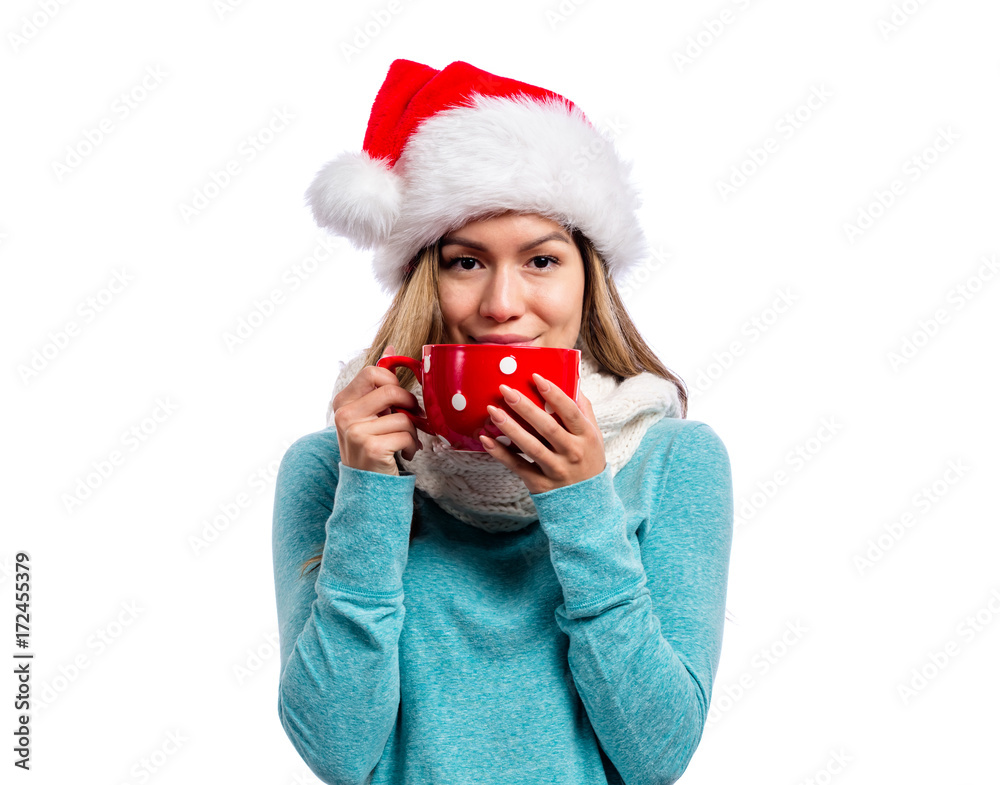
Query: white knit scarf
[(478, 489)]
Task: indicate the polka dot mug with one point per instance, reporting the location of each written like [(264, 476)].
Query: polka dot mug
[(458, 380)]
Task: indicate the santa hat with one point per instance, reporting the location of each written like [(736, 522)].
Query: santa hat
[(446, 147)]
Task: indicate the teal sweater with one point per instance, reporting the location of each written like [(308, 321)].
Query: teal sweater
[(581, 649)]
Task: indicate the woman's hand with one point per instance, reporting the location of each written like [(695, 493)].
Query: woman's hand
[(577, 452), (368, 433)]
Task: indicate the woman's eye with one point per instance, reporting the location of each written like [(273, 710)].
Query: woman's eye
[(468, 262), (548, 259), (459, 260)]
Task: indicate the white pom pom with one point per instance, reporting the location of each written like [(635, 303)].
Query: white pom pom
[(358, 197)]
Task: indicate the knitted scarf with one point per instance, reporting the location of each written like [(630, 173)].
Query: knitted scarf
[(479, 490)]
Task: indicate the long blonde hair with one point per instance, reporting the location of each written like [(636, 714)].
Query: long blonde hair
[(414, 319)]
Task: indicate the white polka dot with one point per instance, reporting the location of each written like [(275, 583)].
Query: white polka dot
[(504, 440), (427, 363), (458, 401), (508, 365)]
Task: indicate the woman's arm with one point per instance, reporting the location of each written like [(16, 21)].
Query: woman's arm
[(339, 626), (645, 627)]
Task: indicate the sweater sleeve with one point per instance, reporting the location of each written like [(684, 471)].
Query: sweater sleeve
[(645, 624), (339, 627)]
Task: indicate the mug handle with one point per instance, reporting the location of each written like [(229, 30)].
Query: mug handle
[(395, 361)]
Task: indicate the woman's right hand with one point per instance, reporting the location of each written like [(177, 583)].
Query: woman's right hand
[(368, 433)]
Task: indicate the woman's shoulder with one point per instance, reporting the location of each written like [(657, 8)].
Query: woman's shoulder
[(318, 451), (687, 468), (671, 438)]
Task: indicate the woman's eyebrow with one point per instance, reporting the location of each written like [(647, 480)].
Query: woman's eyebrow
[(480, 247), (551, 236)]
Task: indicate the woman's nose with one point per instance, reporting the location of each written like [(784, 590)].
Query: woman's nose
[(502, 298)]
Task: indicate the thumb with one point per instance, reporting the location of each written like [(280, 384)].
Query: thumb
[(389, 349)]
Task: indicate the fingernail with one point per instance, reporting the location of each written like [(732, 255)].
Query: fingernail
[(509, 395), (543, 386)]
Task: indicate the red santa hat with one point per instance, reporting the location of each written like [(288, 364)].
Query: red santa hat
[(446, 147)]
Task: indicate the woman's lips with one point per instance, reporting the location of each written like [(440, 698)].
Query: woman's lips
[(500, 341)]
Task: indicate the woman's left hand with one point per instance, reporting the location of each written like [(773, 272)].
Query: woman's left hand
[(578, 444)]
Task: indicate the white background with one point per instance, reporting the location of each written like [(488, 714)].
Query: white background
[(138, 634)]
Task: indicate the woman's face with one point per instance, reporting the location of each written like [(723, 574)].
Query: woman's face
[(512, 275)]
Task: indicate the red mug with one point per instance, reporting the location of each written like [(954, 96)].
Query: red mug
[(458, 380)]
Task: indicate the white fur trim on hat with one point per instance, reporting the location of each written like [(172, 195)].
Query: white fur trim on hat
[(358, 197), (517, 154)]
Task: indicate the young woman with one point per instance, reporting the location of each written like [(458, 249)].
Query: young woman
[(538, 612)]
